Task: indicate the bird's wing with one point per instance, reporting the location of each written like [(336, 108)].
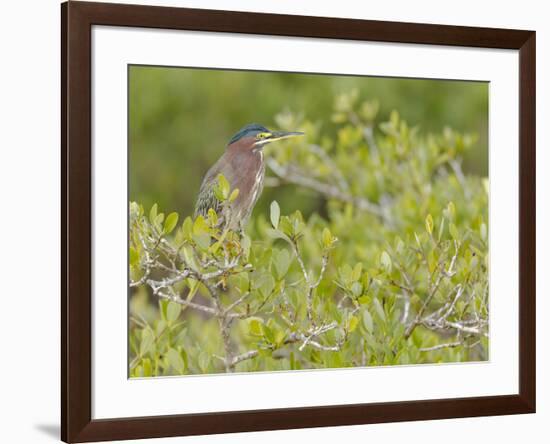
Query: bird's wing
[(207, 199)]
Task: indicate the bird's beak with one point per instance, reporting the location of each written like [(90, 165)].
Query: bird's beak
[(279, 135)]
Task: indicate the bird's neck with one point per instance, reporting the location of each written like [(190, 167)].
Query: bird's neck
[(249, 155)]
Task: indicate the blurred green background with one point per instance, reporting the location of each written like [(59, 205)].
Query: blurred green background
[(181, 119)]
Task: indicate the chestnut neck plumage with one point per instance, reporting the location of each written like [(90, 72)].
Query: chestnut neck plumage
[(244, 163)]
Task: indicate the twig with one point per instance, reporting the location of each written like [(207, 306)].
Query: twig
[(300, 337), (433, 290), (449, 345), (311, 286), (440, 346), (243, 357), (457, 169), (340, 179), (316, 332), (286, 174), (179, 300)]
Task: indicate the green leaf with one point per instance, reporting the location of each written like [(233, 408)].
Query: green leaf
[(147, 341), (275, 214), (163, 305), (147, 367), (201, 233), (399, 246), (159, 328), (357, 289), (357, 270), (255, 327), (483, 231), (280, 336), (234, 195), (241, 282), (170, 223), (385, 260), (268, 334), (297, 223), (345, 272), (187, 228), (200, 226), (223, 186), (281, 262), (276, 234), (212, 217), (432, 261), (134, 210), (158, 221), (202, 241), (246, 243), (153, 213), (451, 210), (367, 320), (175, 360), (172, 312), (453, 231), (134, 257), (352, 323), (379, 310), (327, 238), (441, 226), (364, 299), (429, 223), (204, 361), (286, 226), (265, 285), (394, 118)]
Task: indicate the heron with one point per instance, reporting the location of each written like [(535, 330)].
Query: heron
[(243, 166)]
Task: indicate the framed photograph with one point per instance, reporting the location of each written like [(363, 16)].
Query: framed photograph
[(275, 221)]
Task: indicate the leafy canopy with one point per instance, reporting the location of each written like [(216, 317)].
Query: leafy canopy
[(395, 270)]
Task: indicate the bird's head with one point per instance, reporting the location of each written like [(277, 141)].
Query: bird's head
[(254, 137)]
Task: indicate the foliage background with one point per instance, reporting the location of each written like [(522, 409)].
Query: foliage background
[(180, 121)]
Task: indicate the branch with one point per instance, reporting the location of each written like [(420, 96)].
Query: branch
[(440, 346), (179, 300), (317, 332), (236, 303), (320, 152), (300, 337), (433, 290), (297, 177), (311, 286), (457, 169), (449, 345), (243, 357)]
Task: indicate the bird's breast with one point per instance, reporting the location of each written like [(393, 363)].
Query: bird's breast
[(248, 178)]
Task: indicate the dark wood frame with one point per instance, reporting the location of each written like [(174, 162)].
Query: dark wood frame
[(77, 19)]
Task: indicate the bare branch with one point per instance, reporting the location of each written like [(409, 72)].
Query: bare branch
[(340, 179), (236, 303), (243, 357), (449, 345), (441, 346), (311, 286), (179, 300), (292, 175)]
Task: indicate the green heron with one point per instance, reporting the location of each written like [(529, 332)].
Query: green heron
[(242, 164)]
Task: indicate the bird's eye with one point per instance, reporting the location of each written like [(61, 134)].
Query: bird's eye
[(262, 135)]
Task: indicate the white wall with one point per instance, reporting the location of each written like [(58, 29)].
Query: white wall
[(29, 218)]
